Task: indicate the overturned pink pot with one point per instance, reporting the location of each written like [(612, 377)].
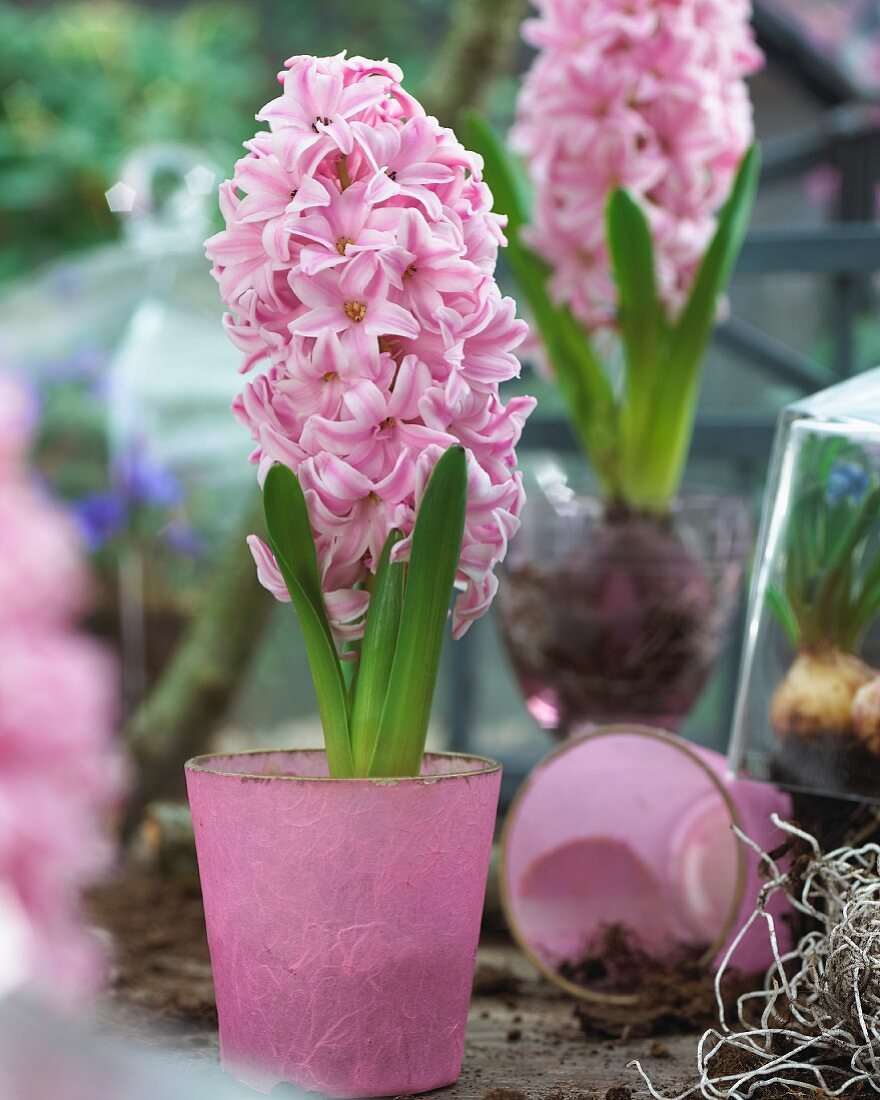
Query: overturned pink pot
[(343, 917), (630, 825)]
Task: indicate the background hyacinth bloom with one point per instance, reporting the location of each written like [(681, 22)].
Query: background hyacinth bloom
[(58, 772), (648, 96), (358, 266), (636, 128)]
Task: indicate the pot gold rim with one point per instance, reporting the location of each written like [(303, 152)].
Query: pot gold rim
[(198, 764), (575, 990)]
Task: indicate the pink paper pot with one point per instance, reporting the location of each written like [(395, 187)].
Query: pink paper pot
[(343, 917)]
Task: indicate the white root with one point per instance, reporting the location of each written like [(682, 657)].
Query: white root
[(815, 1026)]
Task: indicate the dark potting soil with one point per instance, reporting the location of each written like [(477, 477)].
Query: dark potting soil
[(627, 627), (830, 762), (731, 1060), (161, 971), (673, 994), (495, 981)]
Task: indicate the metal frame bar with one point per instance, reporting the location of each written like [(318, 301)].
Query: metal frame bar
[(785, 44), (734, 437), (775, 358), (787, 155), (848, 249)]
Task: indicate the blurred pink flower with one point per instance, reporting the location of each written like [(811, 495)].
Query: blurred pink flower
[(822, 185), (643, 94), (58, 772), (358, 258)]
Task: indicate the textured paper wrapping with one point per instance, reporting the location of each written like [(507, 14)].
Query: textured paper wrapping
[(342, 917), (632, 826)]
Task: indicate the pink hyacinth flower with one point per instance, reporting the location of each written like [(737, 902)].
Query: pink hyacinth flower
[(59, 774), (358, 263), (647, 95)]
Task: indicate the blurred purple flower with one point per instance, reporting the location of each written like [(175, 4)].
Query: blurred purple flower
[(183, 538), (85, 363), (846, 481), (99, 516), (142, 480)]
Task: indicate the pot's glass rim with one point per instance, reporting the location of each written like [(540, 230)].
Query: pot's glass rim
[(548, 474), (211, 764), (718, 529)]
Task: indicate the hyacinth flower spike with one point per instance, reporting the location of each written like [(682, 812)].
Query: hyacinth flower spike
[(635, 127), (386, 455)]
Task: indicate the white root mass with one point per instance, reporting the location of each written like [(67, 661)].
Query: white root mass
[(814, 1029)]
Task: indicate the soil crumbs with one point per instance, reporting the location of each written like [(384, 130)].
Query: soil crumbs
[(732, 1061), (672, 995), (523, 1041), (160, 982)]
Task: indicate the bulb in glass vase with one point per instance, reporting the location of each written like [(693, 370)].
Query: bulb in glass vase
[(611, 615)]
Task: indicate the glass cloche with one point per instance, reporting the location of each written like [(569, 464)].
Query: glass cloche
[(808, 706)]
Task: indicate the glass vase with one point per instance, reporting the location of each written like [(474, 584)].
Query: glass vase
[(615, 616)]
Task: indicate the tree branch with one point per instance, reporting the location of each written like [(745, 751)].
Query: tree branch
[(184, 709)]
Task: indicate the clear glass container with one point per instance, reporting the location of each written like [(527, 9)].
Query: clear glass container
[(807, 715), (619, 618)]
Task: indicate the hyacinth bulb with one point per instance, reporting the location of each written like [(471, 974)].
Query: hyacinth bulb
[(816, 697), (866, 714)]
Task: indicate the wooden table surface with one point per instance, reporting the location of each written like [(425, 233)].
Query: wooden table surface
[(523, 1037)]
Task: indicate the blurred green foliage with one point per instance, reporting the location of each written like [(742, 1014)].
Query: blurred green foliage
[(84, 83), (72, 450)]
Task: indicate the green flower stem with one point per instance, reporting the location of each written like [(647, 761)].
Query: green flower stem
[(433, 565), (637, 441), (377, 655), (654, 455)]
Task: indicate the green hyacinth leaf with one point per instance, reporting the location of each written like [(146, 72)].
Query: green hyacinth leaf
[(433, 564), (377, 655), (639, 311), (292, 542)]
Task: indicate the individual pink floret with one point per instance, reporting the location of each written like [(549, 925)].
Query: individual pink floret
[(358, 265)]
